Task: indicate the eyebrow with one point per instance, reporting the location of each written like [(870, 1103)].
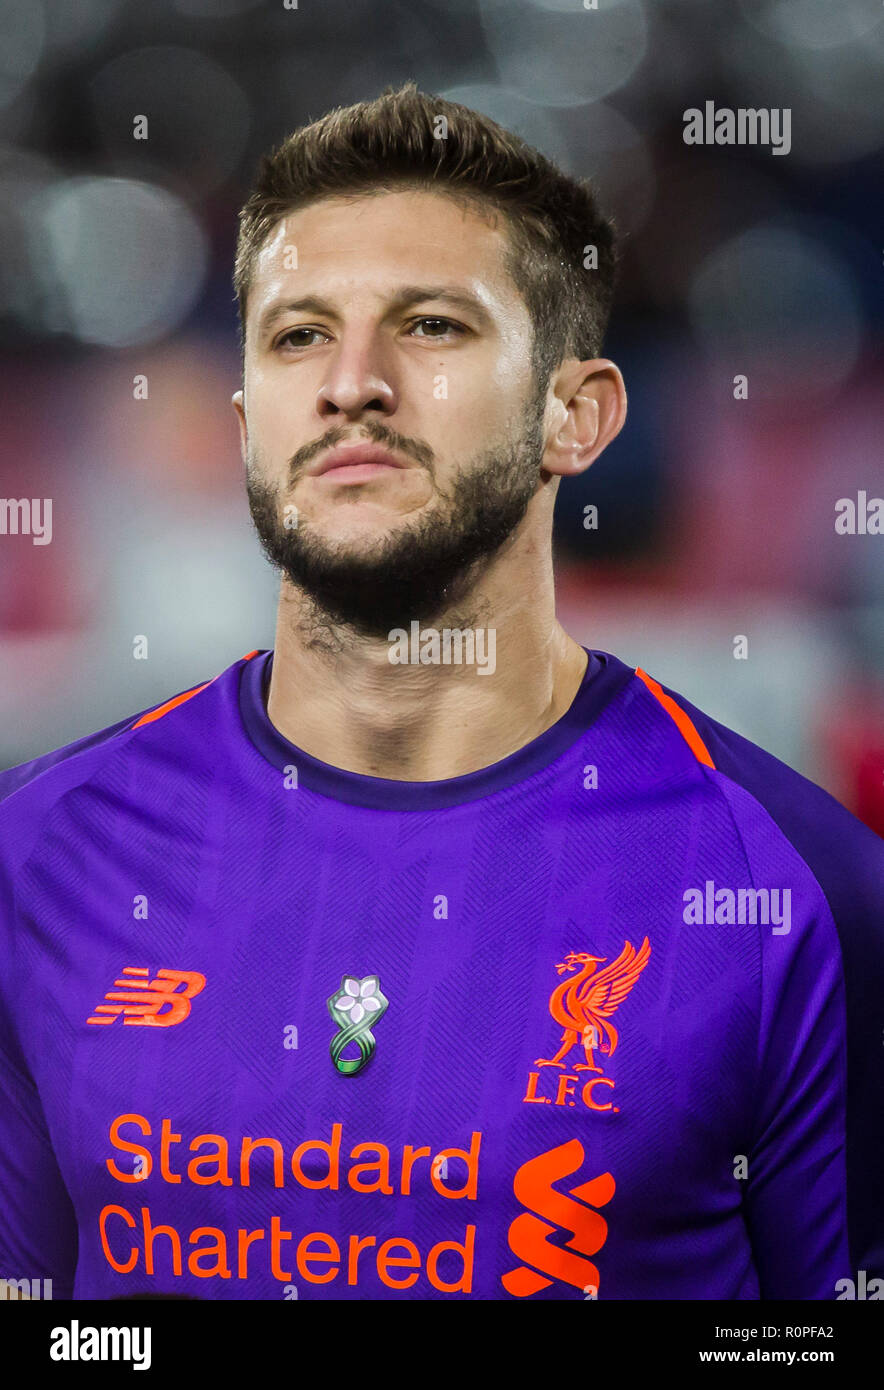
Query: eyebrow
[(408, 294)]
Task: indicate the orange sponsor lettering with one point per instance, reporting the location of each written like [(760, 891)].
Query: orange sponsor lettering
[(218, 1160), (314, 1163), (245, 1240), (102, 1227), (150, 1234), (304, 1253), (167, 1139), (249, 1145), (333, 1150), (465, 1251), (138, 1149), (318, 1256), (411, 1260), (356, 1248), (217, 1249), (277, 1236), (410, 1155), (471, 1158), (381, 1169)]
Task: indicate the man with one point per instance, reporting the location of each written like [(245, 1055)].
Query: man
[(432, 955)]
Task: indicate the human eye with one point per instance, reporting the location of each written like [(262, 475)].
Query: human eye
[(293, 337), (439, 327)]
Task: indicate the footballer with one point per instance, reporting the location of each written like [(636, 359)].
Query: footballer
[(432, 955)]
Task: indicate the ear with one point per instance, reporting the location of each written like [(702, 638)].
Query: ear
[(589, 404), (238, 402)]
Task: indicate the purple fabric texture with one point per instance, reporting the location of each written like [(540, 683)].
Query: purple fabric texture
[(693, 945)]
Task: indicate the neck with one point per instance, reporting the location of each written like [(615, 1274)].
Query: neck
[(343, 701)]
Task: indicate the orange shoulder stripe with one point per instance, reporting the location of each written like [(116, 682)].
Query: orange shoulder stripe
[(170, 704), (684, 725), (179, 699)]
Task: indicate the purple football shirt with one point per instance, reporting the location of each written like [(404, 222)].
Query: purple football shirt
[(600, 1020)]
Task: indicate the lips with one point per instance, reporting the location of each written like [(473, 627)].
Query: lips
[(350, 455)]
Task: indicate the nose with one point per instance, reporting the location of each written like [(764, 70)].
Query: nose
[(357, 381)]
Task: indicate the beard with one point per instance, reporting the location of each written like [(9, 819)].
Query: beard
[(421, 569)]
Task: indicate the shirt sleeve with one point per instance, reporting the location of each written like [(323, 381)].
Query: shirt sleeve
[(796, 1201), (38, 1229), (800, 1083)]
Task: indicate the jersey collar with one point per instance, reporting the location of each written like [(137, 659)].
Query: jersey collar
[(605, 676)]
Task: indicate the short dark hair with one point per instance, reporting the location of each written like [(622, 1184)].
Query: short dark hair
[(394, 141)]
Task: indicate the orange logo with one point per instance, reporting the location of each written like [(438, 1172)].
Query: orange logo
[(529, 1233), (582, 1006), (156, 1003)]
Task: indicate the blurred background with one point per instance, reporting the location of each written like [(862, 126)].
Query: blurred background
[(715, 514)]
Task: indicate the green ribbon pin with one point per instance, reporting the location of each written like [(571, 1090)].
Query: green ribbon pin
[(354, 1008)]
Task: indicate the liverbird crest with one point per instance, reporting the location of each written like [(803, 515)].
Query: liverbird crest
[(583, 1004)]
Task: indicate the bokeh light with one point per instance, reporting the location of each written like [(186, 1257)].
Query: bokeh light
[(812, 23), (777, 304), (197, 113), (832, 87), (73, 27), (22, 30), (122, 262), (565, 59)]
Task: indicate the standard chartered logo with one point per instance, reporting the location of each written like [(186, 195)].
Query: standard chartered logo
[(137, 1238), (547, 1213)]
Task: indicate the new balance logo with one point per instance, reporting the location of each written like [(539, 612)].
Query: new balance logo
[(156, 1003), (530, 1233)]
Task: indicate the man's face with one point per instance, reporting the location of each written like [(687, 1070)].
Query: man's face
[(389, 321)]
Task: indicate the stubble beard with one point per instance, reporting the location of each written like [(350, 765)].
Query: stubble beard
[(419, 570)]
